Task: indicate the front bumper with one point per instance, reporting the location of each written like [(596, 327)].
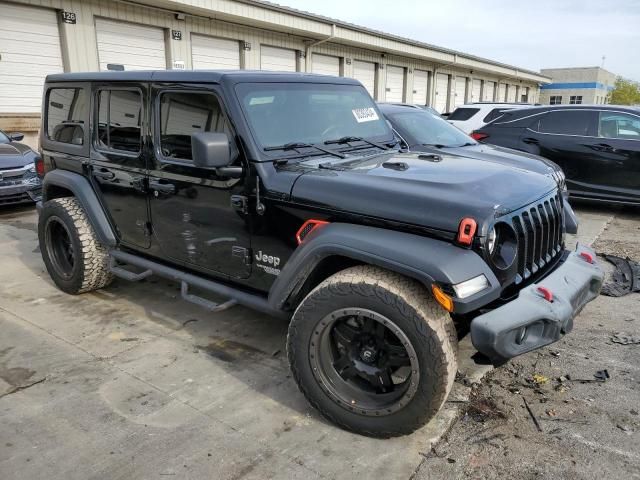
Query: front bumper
[(530, 321), (22, 193)]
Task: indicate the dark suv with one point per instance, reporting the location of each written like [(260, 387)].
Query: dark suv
[(287, 193), (597, 146)]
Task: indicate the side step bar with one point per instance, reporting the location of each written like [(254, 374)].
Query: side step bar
[(186, 280)]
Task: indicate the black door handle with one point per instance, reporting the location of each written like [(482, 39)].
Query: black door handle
[(104, 174), (602, 147), (531, 141), (158, 186)]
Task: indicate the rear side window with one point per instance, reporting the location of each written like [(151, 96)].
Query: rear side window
[(463, 114), (66, 111), (119, 120), (619, 125), (572, 122), (493, 114)]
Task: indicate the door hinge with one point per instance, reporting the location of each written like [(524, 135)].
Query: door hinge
[(242, 252), (240, 203)]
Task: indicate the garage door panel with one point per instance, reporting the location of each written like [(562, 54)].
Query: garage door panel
[(395, 84), (136, 47), (442, 91), (460, 91), (489, 90), (420, 87), (274, 58), (325, 65), (30, 47), (476, 88), (365, 73), (214, 53)]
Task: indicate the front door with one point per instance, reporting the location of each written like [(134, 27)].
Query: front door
[(118, 159), (564, 136), (193, 220)]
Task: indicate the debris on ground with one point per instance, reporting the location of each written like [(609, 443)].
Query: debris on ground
[(481, 409), (532, 415), (540, 379), (624, 279), (625, 339)]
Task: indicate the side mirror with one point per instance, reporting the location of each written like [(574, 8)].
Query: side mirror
[(210, 150), (16, 136)]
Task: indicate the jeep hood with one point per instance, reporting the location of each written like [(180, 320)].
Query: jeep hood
[(434, 191), (502, 155)]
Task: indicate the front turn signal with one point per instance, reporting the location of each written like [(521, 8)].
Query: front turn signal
[(442, 298)]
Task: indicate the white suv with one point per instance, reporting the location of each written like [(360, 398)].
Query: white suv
[(471, 116)]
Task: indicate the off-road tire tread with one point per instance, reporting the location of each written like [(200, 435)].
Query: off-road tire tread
[(94, 256), (413, 301)]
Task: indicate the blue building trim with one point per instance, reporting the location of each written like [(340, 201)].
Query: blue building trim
[(575, 85)]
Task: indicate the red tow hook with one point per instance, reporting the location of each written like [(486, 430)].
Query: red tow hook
[(587, 257), (546, 293)]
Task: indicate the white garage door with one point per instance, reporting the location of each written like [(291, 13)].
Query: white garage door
[(476, 89), (30, 50), (135, 47), (281, 59), (325, 65), (502, 93), (420, 87), (395, 84), (511, 93), (442, 92), (461, 91), (214, 53), (365, 73), (489, 91), (524, 94)]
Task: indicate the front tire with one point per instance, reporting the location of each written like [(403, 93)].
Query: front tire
[(72, 254), (373, 352)]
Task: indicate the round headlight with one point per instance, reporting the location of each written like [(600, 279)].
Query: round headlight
[(491, 241)]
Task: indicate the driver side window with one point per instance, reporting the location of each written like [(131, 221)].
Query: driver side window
[(185, 113)]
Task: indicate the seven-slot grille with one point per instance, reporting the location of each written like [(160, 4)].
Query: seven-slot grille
[(540, 231)]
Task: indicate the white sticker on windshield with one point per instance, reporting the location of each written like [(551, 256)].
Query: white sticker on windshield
[(365, 114)]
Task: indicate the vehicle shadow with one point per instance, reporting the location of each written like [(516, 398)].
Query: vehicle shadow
[(247, 345)]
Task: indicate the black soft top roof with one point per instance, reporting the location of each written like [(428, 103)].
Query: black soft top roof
[(199, 76)]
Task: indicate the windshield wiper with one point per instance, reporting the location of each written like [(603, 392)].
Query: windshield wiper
[(343, 140), (468, 144), (297, 145)]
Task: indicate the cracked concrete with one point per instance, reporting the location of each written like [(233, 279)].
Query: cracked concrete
[(140, 384)]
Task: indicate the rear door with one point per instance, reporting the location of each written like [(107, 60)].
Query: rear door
[(566, 137), (618, 148), (193, 220), (119, 158)]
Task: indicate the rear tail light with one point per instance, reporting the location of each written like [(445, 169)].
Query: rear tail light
[(308, 227), (478, 136), (466, 231), (39, 166)]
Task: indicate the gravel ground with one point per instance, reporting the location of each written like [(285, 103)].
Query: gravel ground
[(587, 428)]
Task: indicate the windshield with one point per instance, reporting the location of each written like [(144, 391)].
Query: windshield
[(284, 113), (422, 128), (3, 137)]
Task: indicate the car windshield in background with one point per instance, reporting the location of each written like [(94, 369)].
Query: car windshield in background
[(422, 128), (463, 114), (3, 137), (285, 113)]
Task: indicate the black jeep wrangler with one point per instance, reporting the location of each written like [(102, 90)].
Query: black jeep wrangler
[(287, 193)]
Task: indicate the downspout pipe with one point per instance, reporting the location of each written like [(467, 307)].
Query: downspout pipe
[(307, 50)]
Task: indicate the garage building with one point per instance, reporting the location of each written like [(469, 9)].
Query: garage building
[(40, 37)]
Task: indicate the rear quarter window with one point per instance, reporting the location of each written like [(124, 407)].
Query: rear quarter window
[(493, 114), (463, 114), (66, 109)]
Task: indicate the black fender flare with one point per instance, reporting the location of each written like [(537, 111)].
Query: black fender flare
[(425, 259), (82, 190)]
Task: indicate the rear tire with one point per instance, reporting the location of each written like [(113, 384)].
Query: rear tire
[(72, 254), (345, 347)]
